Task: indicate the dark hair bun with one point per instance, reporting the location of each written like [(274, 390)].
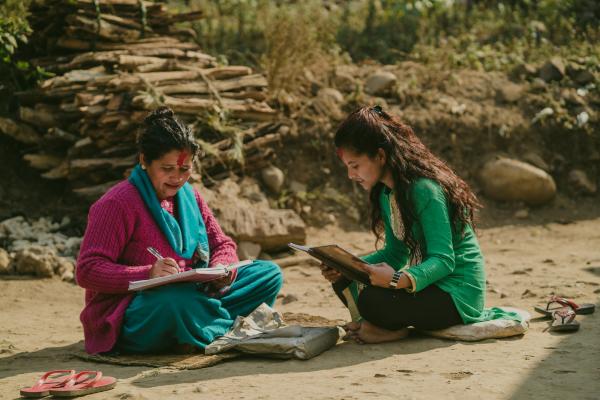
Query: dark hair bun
[(162, 112)]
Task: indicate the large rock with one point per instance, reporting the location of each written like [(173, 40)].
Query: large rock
[(380, 83), (254, 222), (505, 179), (271, 229)]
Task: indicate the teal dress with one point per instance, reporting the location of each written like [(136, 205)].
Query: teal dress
[(183, 313), (451, 259)]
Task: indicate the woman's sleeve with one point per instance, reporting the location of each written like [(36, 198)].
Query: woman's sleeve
[(108, 231), (222, 247), (433, 216)]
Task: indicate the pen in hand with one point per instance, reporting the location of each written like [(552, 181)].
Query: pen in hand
[(155, 253), (159, 257)]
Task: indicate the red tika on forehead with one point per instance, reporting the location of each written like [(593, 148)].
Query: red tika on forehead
[(340, 152), (182, 157)]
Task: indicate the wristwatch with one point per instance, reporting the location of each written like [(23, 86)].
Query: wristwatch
[(395, 278)]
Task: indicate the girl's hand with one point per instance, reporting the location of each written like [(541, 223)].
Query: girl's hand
[(380, 274), (329, 273), (164, 267)]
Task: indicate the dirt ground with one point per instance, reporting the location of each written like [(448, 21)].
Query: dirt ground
[(525, 264)]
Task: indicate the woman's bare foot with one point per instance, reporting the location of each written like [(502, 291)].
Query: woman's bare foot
[(369, 333)]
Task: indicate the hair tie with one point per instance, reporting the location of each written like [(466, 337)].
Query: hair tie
[(377, 109)]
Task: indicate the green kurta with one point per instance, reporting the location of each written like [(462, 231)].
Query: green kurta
[(451, 260)]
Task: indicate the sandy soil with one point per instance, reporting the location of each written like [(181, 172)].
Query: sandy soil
[(526, 263)]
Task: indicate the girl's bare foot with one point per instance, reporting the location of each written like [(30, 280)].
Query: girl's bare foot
[(351, 329), (369, 333)]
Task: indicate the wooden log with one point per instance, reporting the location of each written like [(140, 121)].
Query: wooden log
[(239, 109), (40, 117), (75, 76), (19, 131), (221, 85), (42, 162), (59, 172), (71, 43), (57, 135), (90, 99), (256, 95), (132, 61), (219, 72), (81, 167), (101, 29), (95, 191), (131, 4)]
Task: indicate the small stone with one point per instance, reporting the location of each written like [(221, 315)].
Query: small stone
[(509, 93), (380, 82), (4, 262), (522, 71), (380, 376), (273, 178), (289, 299), (552, 70), (536, 160), (528, 294), (298, 187), (580, 182), (522, 214), (579, 74)]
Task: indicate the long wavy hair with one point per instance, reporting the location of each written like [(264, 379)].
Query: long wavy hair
[(369, 129)]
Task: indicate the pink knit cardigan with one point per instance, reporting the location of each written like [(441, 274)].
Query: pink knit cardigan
[(113, 253)]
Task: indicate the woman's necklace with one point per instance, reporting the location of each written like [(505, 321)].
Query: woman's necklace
[(396, 220)]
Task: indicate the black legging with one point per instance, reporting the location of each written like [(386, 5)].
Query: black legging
[(393, 309)]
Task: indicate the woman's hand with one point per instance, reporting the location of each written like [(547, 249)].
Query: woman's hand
[(381, 274), (329, 273), (164, 267), (221, 282)]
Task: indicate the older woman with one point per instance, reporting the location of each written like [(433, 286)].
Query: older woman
[(156, 207)]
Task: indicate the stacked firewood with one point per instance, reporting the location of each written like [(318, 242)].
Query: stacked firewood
[(114, 61)]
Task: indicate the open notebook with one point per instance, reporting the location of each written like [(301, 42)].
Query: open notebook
[(192, 275), (339, 259)]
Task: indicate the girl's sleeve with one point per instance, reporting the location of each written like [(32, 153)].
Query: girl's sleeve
[(433, 216), (108, 231)]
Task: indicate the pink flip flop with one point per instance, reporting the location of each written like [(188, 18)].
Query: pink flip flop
[(85, 382), (50, 380)]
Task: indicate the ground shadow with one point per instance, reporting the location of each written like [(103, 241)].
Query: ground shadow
[(53, 358), (571, 370)]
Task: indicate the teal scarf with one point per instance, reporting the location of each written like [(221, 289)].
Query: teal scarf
[(187, 236)]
